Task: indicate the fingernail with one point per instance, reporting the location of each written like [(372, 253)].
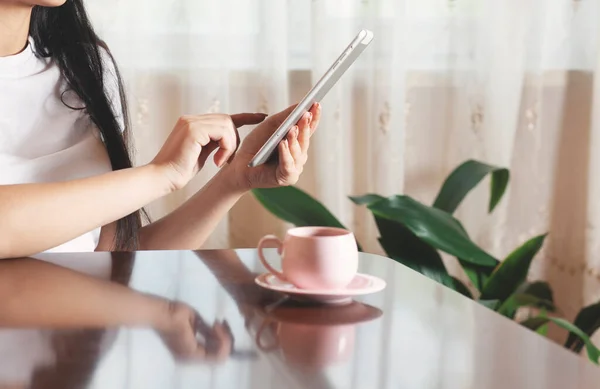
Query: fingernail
[(310, 116)]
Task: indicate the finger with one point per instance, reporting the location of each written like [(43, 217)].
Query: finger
[(206, 152), (199, 325), (221, 332), (286, 166), (238, 142), (227, 140), (316, 117), (221, 131), (304, 139), (228, 328), (225, 342), (244, 119), (304, 120), (295, 149), (199, 354)]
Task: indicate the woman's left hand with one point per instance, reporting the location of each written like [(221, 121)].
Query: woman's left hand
[(292, 152)]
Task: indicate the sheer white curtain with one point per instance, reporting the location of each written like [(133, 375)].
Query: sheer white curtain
[(507, 82)]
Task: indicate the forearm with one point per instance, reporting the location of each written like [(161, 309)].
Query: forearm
[(234, 277), (188, 227), (36, 217), (38, 294)]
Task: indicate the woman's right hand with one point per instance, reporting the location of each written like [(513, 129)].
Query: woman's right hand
[(194, 138)]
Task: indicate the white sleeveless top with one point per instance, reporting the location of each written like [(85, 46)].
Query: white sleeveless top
[(43, 140)]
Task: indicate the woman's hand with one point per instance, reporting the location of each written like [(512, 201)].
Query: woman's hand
[(194, 138), (292, 152), (182, 328)]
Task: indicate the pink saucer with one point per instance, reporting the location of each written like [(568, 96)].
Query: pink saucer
[(360, 285)]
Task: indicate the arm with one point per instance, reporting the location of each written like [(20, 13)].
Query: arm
[(188, 227), (37, 294), (75, 301), (36, 217)]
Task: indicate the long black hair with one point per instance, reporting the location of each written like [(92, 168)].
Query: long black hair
[(65, 34)]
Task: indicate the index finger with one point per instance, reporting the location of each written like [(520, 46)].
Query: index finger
[(244, 119)]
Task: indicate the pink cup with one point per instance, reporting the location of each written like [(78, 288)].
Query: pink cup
[(314, 257)]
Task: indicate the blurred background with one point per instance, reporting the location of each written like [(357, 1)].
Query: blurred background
[(509, 83)]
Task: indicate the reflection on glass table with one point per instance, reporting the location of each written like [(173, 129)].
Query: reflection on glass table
[(196, 319)]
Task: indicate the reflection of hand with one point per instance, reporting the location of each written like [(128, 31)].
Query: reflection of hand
[(182, 328)]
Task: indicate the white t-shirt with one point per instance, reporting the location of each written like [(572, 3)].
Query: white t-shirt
[(43, 140)]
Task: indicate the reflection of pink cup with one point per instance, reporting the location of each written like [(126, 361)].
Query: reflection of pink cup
[(307, 345), (314, 257)]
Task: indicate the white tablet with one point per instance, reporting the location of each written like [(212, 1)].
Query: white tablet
[(339, 67)]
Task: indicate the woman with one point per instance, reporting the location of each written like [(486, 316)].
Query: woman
[(66, 179)]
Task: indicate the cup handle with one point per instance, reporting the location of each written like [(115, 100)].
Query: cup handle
[(267, 323), (270, 239)]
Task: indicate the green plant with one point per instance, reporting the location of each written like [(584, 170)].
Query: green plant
[(413, 234)]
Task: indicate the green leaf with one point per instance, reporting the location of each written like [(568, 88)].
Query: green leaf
[(536, 294), (477, 274), (491, 304), (466, 177), (510, 305), (592, 351), (588, 319), (366, 199), (538, 289), (512, 272), (403, 246), (536, 323), (435, 227), (296, 206), (461, 288), (543, 330)]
